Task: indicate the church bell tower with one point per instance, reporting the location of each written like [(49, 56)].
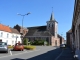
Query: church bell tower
[(52, 25)]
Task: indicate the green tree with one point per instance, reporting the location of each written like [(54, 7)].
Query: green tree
[(25, 42)]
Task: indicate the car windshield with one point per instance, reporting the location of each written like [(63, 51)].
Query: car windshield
[(2, 43)]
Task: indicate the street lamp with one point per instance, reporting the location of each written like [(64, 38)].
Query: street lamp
[(16, 38), (22, 22)]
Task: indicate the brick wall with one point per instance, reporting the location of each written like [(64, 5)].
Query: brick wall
[(54, 41)]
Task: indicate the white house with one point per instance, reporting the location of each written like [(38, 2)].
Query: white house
[(9, 35)]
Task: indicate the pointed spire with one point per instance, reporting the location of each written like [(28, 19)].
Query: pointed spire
[(52, 17)]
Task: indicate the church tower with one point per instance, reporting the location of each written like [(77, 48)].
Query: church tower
[(52, 25)]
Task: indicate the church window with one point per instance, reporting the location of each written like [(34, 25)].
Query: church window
[(49, 25)]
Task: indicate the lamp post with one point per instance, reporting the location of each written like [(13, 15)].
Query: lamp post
[(16, 38), (22, 23)]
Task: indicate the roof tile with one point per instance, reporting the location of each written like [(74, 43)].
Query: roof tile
[(5, 28)]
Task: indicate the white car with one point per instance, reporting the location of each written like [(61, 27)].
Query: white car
[(3, 47), (62, 46)]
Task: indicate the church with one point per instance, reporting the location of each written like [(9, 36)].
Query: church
[(49, 32)]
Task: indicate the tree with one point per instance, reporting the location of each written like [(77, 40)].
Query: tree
[(25, 41)]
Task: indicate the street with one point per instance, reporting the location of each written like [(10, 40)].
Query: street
[(41, 53)]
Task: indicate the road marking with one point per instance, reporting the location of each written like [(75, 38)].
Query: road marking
[(10, 52), (59, 55), (18, 53)]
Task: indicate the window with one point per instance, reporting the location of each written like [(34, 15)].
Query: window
[(12, 42), (7, 35), (52, 25), (1, 34), (16, 36), (12, 36), (49, 25), (6, 41)]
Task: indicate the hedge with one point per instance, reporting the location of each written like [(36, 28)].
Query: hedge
[(29, 47)]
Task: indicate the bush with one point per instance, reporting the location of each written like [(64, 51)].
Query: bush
[(10, 46), (39, 42), (25, 41), (29, 47)]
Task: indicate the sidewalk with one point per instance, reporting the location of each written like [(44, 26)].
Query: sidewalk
[(66, 55)]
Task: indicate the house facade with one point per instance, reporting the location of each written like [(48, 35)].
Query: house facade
[(16, 36), (8, 35), (76, 28)]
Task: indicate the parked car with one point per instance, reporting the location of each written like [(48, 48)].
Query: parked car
[(18, 46), (3, 47), (62, 45)]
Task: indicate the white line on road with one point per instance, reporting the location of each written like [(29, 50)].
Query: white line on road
[(10, 52), (59, 55), (18, 53)]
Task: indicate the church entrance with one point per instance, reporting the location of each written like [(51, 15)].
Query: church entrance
[(55, 42)]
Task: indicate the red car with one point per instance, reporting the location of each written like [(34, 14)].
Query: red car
[(18, 46)]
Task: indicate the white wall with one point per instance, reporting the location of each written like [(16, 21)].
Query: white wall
[(56, 29), (11, 40)]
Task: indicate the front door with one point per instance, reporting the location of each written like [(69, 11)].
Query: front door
[(56, 43)]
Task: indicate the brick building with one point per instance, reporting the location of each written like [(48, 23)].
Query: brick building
[(68, 38), (76, 28)]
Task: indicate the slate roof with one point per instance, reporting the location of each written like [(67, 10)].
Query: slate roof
[(14, 31), (38, 31)]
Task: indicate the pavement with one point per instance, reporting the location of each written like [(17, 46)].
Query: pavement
[(66, 55)]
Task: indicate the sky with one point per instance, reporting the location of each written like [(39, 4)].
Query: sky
[(40, 13)]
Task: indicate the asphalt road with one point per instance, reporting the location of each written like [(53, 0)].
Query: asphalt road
[(41, 53)]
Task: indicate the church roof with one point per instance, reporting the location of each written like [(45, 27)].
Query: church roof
[(38, 31), (52, 18)]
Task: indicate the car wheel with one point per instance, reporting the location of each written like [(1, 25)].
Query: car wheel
[(6, 51)]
